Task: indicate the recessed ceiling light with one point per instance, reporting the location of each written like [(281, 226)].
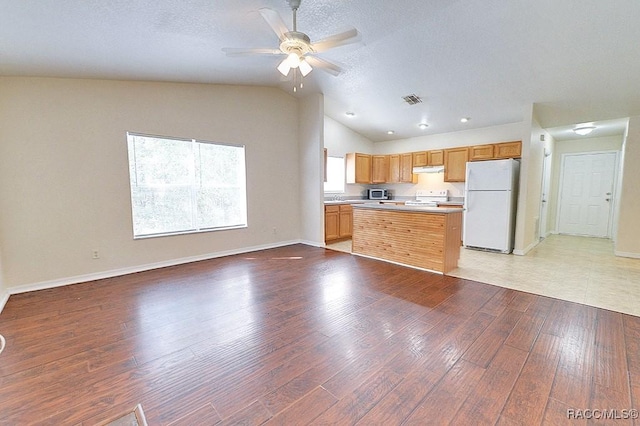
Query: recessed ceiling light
[(350, 114), (584, 130), (390, 132), (465, 119), (423, 125)]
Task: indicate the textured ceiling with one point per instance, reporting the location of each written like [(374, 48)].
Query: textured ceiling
[(484, 59)]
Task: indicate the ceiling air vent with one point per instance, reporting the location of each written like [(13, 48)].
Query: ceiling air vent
[(412, 99)]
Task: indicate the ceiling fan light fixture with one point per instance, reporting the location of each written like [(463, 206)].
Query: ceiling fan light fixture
[(293, 60), (284, 67), (304, 67), (584, 130)]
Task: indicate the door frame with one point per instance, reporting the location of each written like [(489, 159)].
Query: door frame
[(547, 169), (614, 190)]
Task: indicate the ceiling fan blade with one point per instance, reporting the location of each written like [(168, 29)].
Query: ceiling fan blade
[(323, 64), (275, 21), (340, 39), (241, 51)]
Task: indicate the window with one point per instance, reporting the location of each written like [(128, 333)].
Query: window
[(183, 185), (335, 175)]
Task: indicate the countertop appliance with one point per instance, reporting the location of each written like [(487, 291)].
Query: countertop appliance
[(378, 194), (490, 204), (429, 198)]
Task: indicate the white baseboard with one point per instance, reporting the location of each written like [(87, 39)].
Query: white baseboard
[(4, 298), (526, 250), (626, 254), (312, 243), (43, 285)]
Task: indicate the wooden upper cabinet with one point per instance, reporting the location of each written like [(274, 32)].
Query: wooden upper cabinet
[(406, 169), (394, 168), (481, 152), (420, 158), (435, 157), (379, 168), (495, 151), (358, 168), (507, 150), (455, 164)]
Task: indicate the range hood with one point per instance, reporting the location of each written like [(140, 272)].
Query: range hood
[(428, 169)]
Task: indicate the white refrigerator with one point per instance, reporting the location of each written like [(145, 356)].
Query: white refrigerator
[(490, 198)]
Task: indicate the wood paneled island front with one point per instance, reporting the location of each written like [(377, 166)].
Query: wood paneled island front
[(423, 237)]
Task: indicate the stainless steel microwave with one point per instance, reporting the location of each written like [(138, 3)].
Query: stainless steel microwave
[(378, 194)]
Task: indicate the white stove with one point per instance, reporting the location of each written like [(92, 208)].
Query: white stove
[(429, 198)]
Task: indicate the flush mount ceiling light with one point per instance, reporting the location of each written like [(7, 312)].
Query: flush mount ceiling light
[(465, 119), (584, 130), (423, 125), (390, 132), (350, 114)]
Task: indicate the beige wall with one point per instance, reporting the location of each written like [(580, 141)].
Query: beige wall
[(311, 164), (628, 235), (609, 143), (530, 189), (64, 184), (4, 294)]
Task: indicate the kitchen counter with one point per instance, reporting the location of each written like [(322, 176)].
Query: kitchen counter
[(361, 201), (423, 237), (402, 207)]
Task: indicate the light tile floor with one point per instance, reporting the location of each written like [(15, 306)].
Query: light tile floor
[(577, 269)]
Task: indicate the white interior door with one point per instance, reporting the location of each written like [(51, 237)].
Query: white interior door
[(586, 194)]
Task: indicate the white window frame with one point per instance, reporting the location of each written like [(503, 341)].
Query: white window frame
[(192, 188)]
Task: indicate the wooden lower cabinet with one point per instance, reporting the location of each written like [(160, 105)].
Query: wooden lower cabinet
[(345, 228), (338, 222), (331, 223)]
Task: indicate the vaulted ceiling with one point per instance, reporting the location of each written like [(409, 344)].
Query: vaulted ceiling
[(487, 60)]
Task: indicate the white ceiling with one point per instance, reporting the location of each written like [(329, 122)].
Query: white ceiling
[(488, 60)]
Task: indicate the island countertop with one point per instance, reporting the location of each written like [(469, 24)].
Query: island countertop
[(405, 208)]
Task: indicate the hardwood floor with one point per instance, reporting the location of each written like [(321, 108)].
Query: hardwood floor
[(304, 335)]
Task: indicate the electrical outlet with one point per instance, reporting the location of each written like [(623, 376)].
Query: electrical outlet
[(95, 254)]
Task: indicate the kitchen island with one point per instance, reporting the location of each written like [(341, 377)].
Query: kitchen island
[(423, 237)]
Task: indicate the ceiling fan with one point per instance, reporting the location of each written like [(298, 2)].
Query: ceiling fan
[(296, 45)]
